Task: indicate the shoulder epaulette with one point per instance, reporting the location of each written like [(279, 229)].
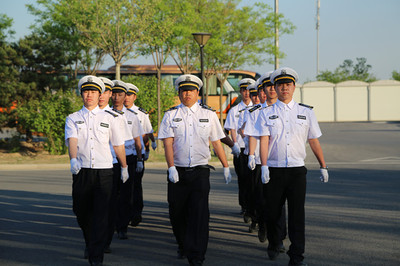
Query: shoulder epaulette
[(111, 113), (254, 108), (206, 107), (118, 111), (141, 109), (172, 108), (132, 111), (305, 105), (244, 109)]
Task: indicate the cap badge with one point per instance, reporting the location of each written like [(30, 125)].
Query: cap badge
[(90, 79), (283, 72)]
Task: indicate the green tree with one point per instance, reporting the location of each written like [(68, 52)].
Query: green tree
[(349, 70), (396, 75), (154, 42), (12, 89), (47, 115), (112, 26), (147, 89)]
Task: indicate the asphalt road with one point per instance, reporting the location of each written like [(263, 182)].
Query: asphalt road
[(352, 220)]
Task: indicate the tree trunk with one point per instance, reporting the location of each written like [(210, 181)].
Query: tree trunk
[(118, 70), (221, 119)]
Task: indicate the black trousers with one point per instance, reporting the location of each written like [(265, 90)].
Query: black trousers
[(240, 164), (113, 211), (125, 199), (254, 193), (137, 193), (91, 193), (287, 184), (189, 212)]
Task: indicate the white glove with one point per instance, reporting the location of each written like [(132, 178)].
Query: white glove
[(227, 175), (173, 175), (124, 174), (236, 150), (146, 155), (264, 174), (324, 175), (154, 145), (252, 162), (75, 166), (139, 166)]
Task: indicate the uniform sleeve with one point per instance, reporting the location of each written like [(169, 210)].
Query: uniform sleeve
[(147, 128), (314, 130), (230, 120), (249, 128), (136, 130), (216, 129), (70, 129), (165, 130), (260, 127), (117, 127)]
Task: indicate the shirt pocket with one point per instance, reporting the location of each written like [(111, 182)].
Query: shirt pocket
[(204, 130), (301, 125), (103, 134), (178, 128), (82, 131), (273, 127)]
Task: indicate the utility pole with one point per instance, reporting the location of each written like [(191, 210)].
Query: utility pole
[(317, 28), (276, 34)]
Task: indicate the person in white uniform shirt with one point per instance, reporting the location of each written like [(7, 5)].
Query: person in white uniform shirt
[(186, 131), (133, 150), (88, 134), (268, 97), (284, 128), (143, 116), (232, 124)]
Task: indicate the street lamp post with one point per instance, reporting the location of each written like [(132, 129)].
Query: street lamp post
[(201, 39)]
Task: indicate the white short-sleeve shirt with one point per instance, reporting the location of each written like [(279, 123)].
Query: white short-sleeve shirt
[(192, 129), (289, 127), (95, 130), (232, 120)]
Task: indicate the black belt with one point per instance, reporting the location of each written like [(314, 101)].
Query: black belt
[(188, 169)]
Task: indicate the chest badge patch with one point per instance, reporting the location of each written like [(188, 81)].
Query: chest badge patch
[(178, 119), (79, 122), (129, 122), (273, 117), (301, 117), (104, 125), (203, 120)]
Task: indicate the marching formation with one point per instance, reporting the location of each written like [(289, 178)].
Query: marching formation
[(269, 131)]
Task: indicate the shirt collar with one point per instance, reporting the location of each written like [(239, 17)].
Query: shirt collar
[(94, 111), (195, 107), (282, 105)]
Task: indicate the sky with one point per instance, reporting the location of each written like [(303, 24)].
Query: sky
[(349, 29)]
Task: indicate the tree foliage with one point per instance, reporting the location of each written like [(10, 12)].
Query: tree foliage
[(349, 70), (147, 89), (396, 75), (47, 115)]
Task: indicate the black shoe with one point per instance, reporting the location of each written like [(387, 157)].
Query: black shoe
[(262, 234), (86, 253), (122, 235), (136, 220), (195, 262), (299, 263), (282, 248), (242, 212), (181, 255), (273, 253), (246, 218), (253, 227), (97, 263), (107, 249)]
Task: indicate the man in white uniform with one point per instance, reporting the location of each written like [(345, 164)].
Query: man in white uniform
[(186, 131), (88, 134)]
